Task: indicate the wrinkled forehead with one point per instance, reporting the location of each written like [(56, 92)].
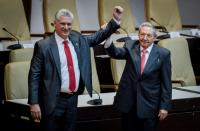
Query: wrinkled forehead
[(64, 19), (146, 29)]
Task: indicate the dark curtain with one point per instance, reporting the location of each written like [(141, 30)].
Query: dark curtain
[(27, 9)]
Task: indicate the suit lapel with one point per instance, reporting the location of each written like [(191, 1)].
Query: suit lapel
[(55, 54), (75, 42), (137, 59), (153, 58), (135, 56)]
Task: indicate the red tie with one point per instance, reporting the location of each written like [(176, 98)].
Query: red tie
[(143, 58), (72, 79)]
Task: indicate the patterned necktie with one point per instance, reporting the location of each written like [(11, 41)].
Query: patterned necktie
[(72, 79), (143, 58)]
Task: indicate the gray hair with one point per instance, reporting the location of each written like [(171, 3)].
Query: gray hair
[(148, 24), (64, 12)]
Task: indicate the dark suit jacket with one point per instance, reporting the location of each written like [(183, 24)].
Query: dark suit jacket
[(45, 74), (148, 92)]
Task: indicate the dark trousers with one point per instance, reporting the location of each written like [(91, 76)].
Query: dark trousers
[(131, 122), (64, 116)]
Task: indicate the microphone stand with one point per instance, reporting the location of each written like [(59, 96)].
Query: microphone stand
[(95, 101), (14, 46), (123, 39), (164, 29)]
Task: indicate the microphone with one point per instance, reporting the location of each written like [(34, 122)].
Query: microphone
[(95, 101), (14, 46), (164, 29), (123, 39)]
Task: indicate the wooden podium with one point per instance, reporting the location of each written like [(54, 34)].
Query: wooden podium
[(184, 116)]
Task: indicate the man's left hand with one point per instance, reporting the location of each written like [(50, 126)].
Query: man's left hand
[(117, 12), (162, 114)]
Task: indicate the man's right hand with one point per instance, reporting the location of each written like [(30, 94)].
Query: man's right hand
[(35, 112)]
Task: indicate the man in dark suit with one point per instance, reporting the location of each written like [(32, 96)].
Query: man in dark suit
[(144, 93), (60, 69)]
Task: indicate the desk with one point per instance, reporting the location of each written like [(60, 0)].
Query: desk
[(90, 117), (184, 115), (192, 88)]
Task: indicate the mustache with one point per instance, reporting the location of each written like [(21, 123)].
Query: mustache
[(146, 41)]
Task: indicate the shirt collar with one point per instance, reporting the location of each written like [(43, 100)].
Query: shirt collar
[(59, 39), (148, 49)]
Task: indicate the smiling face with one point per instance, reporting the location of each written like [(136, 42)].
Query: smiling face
[(63, 26), (146, 35), (63, 22)]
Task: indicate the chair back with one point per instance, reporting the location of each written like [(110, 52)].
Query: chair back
[(165, 12), (50, 7), (13, 18), (105, 9), (16, 80), (117, 68), (24, 54), (180, 58)]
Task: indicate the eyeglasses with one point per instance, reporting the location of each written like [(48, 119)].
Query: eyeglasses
[(147, 35)]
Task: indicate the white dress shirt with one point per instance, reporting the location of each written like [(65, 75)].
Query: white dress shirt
[(63, 63), (148, 50)]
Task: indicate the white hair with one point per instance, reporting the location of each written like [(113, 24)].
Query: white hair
[(64, 12), (148, 24)]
